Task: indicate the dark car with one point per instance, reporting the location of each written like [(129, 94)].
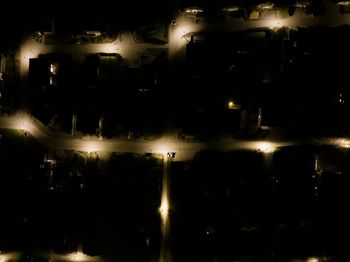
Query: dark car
[(171, 154)]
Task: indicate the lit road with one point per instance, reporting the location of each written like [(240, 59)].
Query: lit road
[(164, 255), (184, 151), (71, 257), (179, 36), (123, 45), (167, 143), (131, 52)]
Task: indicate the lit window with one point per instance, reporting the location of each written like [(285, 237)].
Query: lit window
[(232, 105), (54, 68)]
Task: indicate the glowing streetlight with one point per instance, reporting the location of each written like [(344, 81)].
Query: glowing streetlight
[(266, 147), (180, 33), (274, 23), (108, 48), (164, 208), (25, 125), (90, 146), (29, 49), (164, 212), (4, 258), (232, 105), (7, 257), (312, 259), (78, 256), (318, 259), (342, 142), (161, 147)]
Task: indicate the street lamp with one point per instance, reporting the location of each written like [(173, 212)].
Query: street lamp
[(264, 146), (342, 142), (164, 208), (275, 23), (78, 256), (233, 105), (5, 257)]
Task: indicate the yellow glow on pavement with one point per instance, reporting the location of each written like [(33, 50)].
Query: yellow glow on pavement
[(28, 51), (31, 49), (180, 32), (7, 257), (164, 208), (25, 124), (90, 146), (106, 48), (342, 142), (312, 259), (264, 146), (319, 259), (161, 148), (78, 256), (274, 23)]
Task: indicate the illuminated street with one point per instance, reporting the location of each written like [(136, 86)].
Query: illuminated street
[(175, 132), (184, 151)]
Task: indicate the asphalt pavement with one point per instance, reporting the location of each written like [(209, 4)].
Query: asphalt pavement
[(131, 51)]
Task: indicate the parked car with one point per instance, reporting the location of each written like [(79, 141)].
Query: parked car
[(171, 154)]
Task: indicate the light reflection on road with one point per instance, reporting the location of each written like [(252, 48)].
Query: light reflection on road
[(184, 150), (164, 213)]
